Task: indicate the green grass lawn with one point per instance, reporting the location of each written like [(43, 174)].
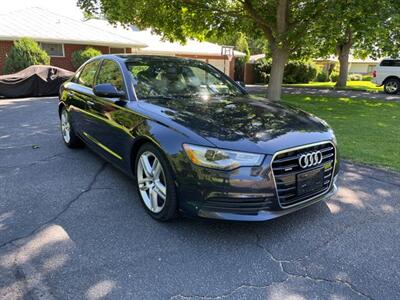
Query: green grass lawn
[(351, 85), (368, 131)]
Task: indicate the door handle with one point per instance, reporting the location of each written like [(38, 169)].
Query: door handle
[(90, 103)]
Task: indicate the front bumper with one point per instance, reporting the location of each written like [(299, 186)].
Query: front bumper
[(264, 215)]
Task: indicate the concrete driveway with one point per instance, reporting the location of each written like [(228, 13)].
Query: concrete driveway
[(71, 227)]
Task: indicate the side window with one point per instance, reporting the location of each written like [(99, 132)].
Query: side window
[(110, 73), (88, 73), (390, 63)]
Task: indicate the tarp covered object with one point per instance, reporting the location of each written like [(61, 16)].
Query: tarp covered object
[(33, 81)]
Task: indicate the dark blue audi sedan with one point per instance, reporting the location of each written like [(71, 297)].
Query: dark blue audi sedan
[(195, 142)]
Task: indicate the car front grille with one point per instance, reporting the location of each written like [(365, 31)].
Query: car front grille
[(285, 167), (237, 205)]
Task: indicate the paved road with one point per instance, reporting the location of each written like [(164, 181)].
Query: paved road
[(71, 227), (327, 92)]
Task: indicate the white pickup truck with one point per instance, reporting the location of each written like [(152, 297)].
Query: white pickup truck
[(387, 73)]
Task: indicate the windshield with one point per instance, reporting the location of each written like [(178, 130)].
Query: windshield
[(174, 79)]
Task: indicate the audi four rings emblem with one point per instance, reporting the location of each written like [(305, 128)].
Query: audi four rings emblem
[(310, 159)]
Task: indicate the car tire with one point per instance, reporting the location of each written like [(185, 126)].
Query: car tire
[(392, 86), (155, 183), (67, 132)]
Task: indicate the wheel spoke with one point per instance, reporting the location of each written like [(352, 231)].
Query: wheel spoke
[(144, 161), (160, 190), (156, 169), (144, 180), (67, 135), (153, 198)]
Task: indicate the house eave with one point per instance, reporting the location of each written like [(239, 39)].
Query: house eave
[(78, 42)]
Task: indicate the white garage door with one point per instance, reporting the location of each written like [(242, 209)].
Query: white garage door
[(219, 64)]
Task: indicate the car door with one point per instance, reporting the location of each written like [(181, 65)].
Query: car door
[(114, 121), (80, 94)]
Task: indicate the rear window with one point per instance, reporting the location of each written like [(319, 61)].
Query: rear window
[(390, 63)]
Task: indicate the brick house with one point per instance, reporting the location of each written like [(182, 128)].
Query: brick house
[(58, 35)]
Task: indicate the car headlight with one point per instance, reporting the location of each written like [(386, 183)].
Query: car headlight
[(221, 159)]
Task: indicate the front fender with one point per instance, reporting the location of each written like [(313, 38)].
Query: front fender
[(167, 139)]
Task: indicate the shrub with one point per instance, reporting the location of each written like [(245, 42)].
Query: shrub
[(334, 76), (299, 72), (24, 53), (366, 77), (322, 76), (295, 71), (355, 77), (81, 56), (262, 70)]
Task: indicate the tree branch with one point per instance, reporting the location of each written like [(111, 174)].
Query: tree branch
[(282, 16), (266, 28)]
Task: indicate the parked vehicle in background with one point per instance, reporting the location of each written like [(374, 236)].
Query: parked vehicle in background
[(387, 73), (34, 81), (195, 141)]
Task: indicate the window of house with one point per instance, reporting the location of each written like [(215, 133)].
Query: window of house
[(54, 50), (117, 50), (110, 72), (88, 73)]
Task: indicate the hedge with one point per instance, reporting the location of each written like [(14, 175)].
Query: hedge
[(24, 53)]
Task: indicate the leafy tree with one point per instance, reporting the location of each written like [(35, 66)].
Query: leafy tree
[(81, 56), (284, 23), (361, 26), (242, 45), (24, 53)]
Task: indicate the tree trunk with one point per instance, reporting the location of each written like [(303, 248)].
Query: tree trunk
[(343, 52), (279, 59), (343, 55)]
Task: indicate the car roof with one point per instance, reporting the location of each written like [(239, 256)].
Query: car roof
[(134, 58)]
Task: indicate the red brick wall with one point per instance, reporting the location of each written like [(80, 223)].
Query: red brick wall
[(62, 62), (65, 62), (5, 47)]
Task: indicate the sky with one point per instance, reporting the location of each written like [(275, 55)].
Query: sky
[(63, 7)]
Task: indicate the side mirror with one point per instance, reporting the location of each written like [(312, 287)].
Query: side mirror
[(107, 90), (241, 83)]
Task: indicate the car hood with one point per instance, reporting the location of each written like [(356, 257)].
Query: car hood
[(244, 123)]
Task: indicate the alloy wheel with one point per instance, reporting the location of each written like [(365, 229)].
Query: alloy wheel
[(65, 126), (392, 86), (151, 181)]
